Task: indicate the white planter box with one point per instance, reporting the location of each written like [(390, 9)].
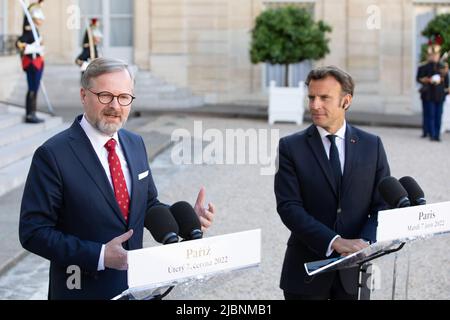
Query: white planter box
[(286, 104)]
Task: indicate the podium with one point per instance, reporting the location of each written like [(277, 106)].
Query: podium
[(153, 272), (396, 227)]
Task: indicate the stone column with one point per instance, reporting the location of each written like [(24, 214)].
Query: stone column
[(61, 42), (334, 13), (142, 16), (396, 56)]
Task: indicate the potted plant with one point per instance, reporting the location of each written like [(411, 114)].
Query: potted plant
[(438, 32), (287, 35)]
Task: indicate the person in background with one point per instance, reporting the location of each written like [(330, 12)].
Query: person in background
[(32, 55), (91, 40), (433, 92)]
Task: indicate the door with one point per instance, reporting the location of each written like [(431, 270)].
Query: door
[(116, 23)]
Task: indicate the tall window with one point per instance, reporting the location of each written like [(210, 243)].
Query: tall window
[(297, 71), (6, 41), (121, 23), (116, 24), (90, 9), (3, 17)]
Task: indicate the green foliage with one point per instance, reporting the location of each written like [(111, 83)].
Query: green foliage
[(288, 35), (440, 25)]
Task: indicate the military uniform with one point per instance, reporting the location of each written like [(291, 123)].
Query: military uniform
[(433, 96), (92, 37), (32, 60)]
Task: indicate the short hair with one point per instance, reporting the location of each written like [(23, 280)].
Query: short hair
[(101, 66), (345, 79)]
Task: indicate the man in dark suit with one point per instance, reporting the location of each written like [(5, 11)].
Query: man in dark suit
[(433, 92), (326, 190), (32, 56), (88, 190)]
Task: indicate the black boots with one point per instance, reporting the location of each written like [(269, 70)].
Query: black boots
[(31, 105)]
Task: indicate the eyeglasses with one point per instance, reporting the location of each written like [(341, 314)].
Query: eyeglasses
[(105, 97)]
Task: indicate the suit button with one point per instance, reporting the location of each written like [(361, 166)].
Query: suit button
[(339, 210)]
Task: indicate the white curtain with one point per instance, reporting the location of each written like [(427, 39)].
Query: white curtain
[(121, 7), (121, 32), (90, 7), (121, 23), (297, 73)]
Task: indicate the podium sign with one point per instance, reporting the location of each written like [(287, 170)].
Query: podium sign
[(413, 222), (175, 263), (395, 227)]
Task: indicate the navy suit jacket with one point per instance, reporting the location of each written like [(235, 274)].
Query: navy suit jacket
[(308, 205), (69, 210)]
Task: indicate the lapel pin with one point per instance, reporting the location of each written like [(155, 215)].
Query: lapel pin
[(352, 140)]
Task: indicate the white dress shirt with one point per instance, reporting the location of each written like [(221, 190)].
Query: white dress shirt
[(98, 140), (340, 144)]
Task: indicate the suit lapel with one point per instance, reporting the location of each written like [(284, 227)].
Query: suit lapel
[(315, 142), (351, 145), (85, 153), (132, 165)]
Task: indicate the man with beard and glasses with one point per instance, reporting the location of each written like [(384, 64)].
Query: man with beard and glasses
[(88, 190)]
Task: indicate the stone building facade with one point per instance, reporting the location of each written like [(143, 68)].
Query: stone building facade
[(204, 44)]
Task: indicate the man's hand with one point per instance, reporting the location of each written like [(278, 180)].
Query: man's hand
[(346, 246), (115, 254), (205, 215)]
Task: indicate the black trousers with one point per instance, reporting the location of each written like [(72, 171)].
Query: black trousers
[(337, 292)]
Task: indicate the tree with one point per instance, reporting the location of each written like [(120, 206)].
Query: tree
[(288, 35), (438, 31)]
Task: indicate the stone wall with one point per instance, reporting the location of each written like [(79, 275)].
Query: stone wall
[(204, 45)]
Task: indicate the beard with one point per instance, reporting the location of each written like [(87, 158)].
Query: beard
[(110, 128)]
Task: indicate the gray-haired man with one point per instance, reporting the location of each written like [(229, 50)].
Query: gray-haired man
[(89, 188)]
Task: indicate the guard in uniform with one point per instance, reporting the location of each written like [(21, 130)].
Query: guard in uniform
[(433, 91), (92, 38), (32, 59)]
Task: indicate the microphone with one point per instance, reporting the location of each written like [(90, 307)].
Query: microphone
[(393, 192), (187, 219), (415, 192), (162, 225)]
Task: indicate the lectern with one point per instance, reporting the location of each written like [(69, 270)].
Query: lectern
[(154, 271), (395, 228)]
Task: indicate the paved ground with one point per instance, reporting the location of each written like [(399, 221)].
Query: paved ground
[(245, 200)]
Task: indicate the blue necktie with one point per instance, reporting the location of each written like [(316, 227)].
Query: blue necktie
[(335, 162)]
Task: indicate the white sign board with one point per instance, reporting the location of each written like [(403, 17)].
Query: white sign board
[(413, 222), (158, 266)]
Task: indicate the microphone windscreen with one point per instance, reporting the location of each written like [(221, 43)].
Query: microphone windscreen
[(160, 222), (412, 187), (186, 218), (392, 191)]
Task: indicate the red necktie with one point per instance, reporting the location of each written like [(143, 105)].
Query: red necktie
[(118, 179)]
